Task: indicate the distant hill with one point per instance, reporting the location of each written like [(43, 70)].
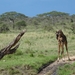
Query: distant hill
[(49, 21)]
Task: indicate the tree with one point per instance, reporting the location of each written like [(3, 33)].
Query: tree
[(20, 24), (12, 17), (3, 28), (11, 48)]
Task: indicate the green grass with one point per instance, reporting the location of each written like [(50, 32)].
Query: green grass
[(67, 69), (36, 49)]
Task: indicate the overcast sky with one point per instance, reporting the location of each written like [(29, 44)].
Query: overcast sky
[(33, 7)]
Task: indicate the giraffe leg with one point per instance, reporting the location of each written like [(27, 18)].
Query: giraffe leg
[(62, 53), (67, 51), (58, 52)]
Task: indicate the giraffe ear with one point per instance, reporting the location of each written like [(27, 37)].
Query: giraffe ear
[(61, 32)]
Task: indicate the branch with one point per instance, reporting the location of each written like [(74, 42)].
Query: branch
[(7, 50)]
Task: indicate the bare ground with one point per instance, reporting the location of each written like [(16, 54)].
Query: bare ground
[(52, 68)]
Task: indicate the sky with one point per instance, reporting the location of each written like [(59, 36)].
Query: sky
[(32, 8)]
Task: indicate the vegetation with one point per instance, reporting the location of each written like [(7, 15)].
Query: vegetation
[(39, 45), (67, 69), (47, 21), (35, 50)]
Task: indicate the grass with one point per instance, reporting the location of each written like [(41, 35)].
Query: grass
[(35, 50), (67, 69)]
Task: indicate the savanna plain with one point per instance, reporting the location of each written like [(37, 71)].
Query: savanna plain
[(36, 50)]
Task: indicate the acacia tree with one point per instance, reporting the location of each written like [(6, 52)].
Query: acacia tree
[(10, 18)]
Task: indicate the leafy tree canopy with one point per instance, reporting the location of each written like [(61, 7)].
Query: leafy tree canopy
[(12, 15), (53, 13)]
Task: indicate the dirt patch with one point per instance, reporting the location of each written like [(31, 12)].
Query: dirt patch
[(52, 68)]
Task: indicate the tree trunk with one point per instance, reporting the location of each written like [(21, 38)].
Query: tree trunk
[(8, 49)]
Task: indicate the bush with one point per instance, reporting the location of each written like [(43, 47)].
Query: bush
[(20, 24), (48, 27), (3, 28)]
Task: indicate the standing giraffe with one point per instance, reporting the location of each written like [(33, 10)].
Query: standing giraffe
[(62, 40)]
